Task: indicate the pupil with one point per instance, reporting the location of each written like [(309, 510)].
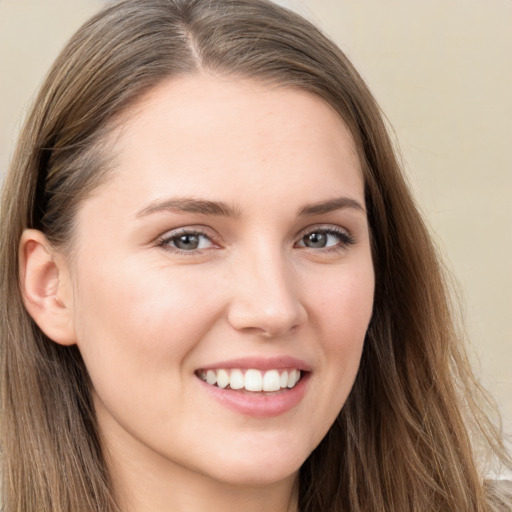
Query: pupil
[(189, 242), (316, 240)]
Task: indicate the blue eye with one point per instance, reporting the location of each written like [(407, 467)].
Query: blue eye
[(187, 241), (325, 239)]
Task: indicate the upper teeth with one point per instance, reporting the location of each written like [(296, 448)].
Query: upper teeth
[(252, 380)]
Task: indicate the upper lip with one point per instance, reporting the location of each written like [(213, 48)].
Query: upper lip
[(260, 363)]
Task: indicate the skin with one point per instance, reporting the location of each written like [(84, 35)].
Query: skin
[(146, 316)]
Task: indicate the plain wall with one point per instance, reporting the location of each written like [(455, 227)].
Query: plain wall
[(442, 71)]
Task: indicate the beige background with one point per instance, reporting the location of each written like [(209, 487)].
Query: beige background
[(442, 71)]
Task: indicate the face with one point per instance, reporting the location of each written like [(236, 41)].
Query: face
[(223, 281)]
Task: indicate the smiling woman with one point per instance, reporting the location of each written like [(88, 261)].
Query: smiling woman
[(240, 283), (217, 292)]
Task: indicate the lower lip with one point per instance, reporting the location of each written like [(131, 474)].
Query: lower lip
[(261, 404)]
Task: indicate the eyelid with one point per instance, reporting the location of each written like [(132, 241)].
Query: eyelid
[(323, 227)]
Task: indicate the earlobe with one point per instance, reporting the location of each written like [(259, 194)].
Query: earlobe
[(45, 287)]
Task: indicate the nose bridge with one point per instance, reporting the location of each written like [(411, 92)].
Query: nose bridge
[(266, 297)]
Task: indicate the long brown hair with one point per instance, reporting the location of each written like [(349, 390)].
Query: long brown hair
[(404, 441)]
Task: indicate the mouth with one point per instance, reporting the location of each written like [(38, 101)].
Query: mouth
[(258, 387), (251, 379)]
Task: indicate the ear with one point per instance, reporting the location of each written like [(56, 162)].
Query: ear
[(46, 287)]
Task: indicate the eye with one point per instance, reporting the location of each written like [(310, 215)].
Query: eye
[(325, 238), (187, 241)]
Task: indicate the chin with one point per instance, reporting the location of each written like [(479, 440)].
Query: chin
[(247, 475), (250, 469)]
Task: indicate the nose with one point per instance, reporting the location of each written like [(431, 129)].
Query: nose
[(266, 297)]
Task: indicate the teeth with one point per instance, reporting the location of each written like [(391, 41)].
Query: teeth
[(252, 380), (293, 378), (284, 379), (271, 381), (211, 377), (237, 379), (222, 378)]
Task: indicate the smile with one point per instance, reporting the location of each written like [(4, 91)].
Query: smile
[(251, 379)]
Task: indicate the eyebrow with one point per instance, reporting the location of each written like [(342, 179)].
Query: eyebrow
[(189, 205), (331, 205), (222, 209)]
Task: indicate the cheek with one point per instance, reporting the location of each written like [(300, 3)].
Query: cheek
[(135, 332), (131, 318), (342, 312), (343, 305)]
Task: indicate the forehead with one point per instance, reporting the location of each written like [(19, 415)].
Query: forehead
[(211, 135)]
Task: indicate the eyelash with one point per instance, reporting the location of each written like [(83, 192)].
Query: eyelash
[(345, 240)]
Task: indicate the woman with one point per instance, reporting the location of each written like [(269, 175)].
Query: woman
[(217, 290)]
